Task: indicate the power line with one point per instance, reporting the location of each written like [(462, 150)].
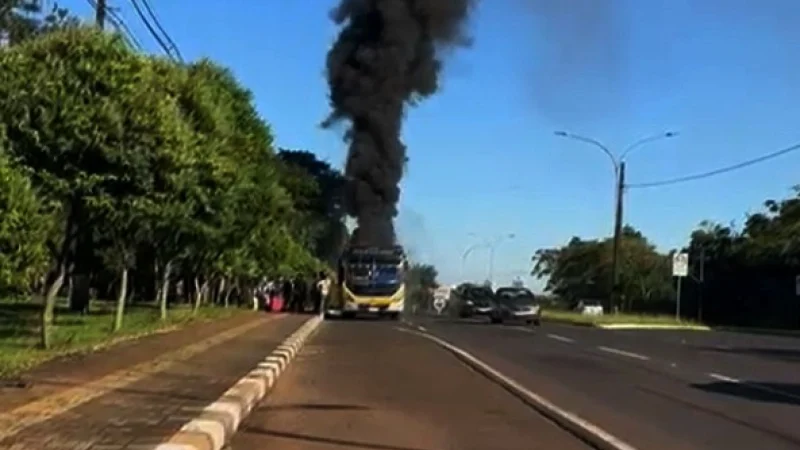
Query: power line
[(152, 14), (118, 22), (152, 31), (120, 25), (717, 171)]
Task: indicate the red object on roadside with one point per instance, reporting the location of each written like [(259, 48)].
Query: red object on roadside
[(276, 303)]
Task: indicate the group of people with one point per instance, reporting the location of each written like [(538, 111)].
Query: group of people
[(295, 295)]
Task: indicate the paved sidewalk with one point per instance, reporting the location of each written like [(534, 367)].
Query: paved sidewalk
[(144, 404), (62, 373)]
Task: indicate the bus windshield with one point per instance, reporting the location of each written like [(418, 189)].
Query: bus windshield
[(373, 278)]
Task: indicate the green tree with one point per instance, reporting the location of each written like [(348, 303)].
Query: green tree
[(321, 200), (749, 272), (24, 19), (90, 131), (26, 224), (582, 270)]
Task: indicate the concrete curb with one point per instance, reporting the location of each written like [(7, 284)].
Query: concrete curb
[(652, 326), (217, 422), (760, 331), (631, 326), (584, 430)]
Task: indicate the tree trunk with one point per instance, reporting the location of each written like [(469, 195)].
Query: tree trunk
[(199, 292), (226, 300), (123, 294), (221, 292), (164, 290), (50, 305)]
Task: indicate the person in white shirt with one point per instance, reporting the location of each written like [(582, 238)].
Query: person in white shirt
[(323, 289)]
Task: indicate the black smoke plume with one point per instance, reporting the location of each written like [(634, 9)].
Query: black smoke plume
[(387, 56)]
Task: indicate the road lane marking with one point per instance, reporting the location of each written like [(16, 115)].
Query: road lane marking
[(421, 328), (623, 353), (719, 377), (572, 422), (754, 385), (560, 338), (523, 329)]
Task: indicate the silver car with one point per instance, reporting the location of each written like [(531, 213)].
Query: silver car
[(515, 304)]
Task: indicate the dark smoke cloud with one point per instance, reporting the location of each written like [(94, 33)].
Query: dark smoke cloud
[(581, 69), (387, 56)]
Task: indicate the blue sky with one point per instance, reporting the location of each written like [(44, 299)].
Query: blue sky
[(484, 160)]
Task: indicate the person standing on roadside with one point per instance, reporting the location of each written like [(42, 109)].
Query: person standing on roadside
[(288, 294), (323, 288)]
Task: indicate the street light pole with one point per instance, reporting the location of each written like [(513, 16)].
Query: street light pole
[(491, 245), (619, 175)]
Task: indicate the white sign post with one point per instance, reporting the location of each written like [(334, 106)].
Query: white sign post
[(680, 269), (440, 297)]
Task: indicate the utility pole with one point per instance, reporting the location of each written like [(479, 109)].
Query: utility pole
[(100, 13), (618, 162), (614, 297), (702, 280)]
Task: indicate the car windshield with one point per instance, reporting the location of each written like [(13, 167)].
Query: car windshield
[(516, 296)]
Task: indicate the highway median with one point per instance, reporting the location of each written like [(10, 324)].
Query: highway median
[(622, 321)]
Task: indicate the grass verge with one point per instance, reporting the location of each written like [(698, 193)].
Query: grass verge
[(75, 333), (620, 320)]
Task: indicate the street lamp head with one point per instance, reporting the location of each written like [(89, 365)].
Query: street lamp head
[(670, 134), (560, 133), (511, 235)]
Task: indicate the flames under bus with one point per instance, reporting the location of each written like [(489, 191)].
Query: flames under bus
[(370, 280)]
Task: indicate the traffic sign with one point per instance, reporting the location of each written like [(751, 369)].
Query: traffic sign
[(440, 297), (442, 292), (680, 264)]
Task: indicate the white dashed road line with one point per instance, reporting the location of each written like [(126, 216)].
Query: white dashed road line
[(524, 329), (719, 377), (421, 328), (560, 338), (623, 353)]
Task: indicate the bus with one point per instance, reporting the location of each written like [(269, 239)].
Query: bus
[(370, 280)]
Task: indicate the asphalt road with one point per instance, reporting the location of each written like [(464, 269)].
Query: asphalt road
[(367, 385), (654, 389)]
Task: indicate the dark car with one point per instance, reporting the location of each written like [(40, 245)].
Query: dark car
[(516, 304), (474, 300)]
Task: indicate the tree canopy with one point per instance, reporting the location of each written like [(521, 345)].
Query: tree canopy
[(738, 275), (581, 270), (117, 163)]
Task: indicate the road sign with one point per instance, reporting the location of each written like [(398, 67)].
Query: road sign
[(440, 297), (680, 264), (442, 292)]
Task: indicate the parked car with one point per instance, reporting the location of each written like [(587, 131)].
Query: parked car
[(473, 300), (516, 304), (589, 307)]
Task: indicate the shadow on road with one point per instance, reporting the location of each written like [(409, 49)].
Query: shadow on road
[(781, 354), (782, 393), (323, 440)]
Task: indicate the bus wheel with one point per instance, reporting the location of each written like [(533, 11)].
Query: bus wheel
[(348, 315), (393, 316)]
